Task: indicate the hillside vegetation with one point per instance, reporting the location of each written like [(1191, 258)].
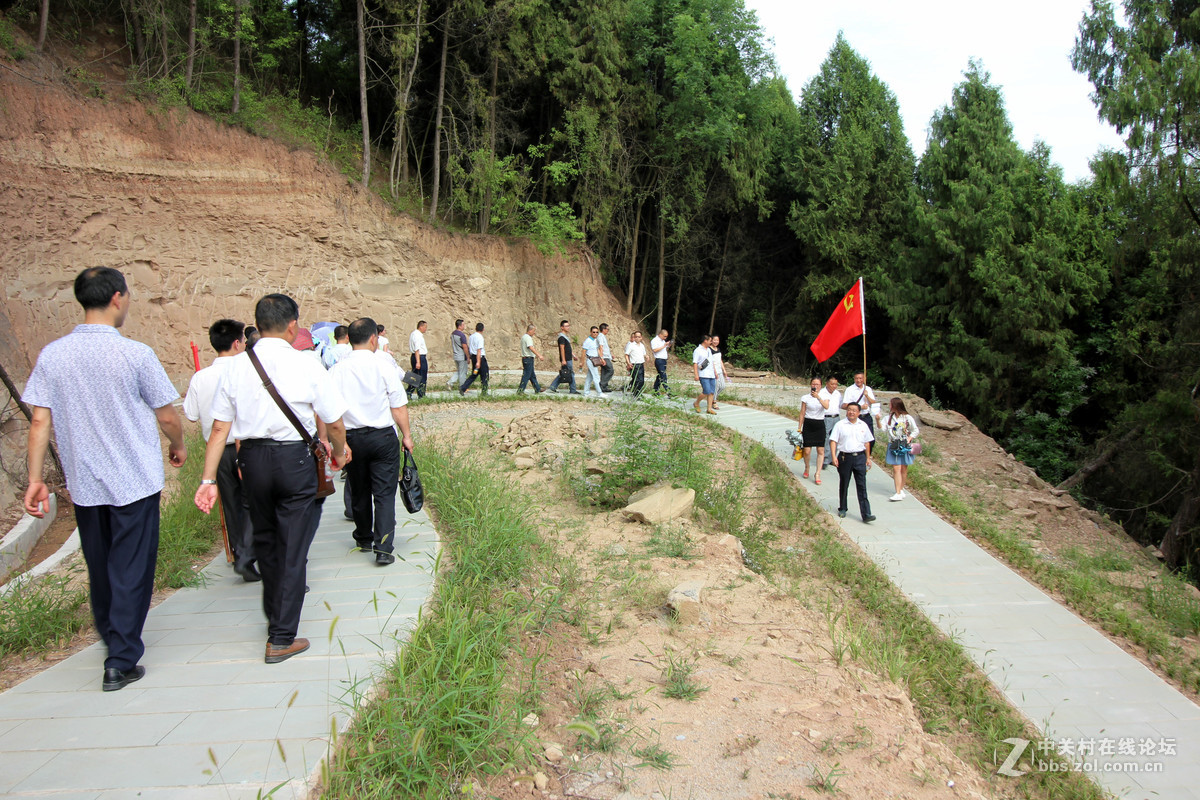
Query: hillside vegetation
[(1063, 319)]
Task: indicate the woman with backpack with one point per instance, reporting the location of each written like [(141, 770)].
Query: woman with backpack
[(901, 430)]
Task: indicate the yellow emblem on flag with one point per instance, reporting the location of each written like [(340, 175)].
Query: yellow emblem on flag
[(848, 302)]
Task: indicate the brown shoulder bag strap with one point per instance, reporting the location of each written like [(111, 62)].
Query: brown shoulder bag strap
[(279, 401)]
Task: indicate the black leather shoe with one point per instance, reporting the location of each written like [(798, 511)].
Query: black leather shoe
[(115, 679), (383, 559), (869, 518), (841, 513), (248, 571)]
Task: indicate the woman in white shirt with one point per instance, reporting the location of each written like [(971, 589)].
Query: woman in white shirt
[(901, 431), (812, 425)]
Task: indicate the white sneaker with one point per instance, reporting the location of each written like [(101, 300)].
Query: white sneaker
[(903, 493), (897, 496)]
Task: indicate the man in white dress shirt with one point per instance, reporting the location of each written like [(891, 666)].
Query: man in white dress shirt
[(833, 395), (635, 362), (850, 440), (377, 406), (340, 348), (278, 469), (479, 365), (419, 358), (660, 349), (865, 397), (227, 337), (606, 371)]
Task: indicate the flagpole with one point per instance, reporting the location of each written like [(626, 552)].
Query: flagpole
[(862, 297)]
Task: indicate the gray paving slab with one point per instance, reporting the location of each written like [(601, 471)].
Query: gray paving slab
[(1070, 680), (206, 686)]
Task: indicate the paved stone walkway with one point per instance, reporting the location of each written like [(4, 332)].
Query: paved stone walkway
[(1067, 678), (207, 694)]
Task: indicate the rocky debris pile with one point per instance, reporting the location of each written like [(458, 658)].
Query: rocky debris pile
[(542, 436)]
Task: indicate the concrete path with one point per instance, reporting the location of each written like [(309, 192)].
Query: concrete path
[(210, 719), (1136, 735)]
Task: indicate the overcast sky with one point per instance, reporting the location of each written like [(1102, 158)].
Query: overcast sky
[(920, 49)]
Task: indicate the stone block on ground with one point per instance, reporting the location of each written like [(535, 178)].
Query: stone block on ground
[(663, 505), (684, 601), (940, 420)]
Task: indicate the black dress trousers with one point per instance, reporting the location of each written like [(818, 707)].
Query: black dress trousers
[(280, 482), (374, 476), (853, 464)]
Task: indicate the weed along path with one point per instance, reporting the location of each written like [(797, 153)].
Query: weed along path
[(1093, 703), (210, 719)]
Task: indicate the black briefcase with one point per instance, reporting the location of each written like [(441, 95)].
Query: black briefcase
[(410, 485)]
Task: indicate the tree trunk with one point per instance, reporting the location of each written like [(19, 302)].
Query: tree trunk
[(139, 37), (191, 53), (302, 30), (165, 34), (675, 317), (1179, 542), (399, 147), (486, 214), (640, 303), (437, 122), (662, 266), (712, 318), (43, 20), (1101, 459), (362, 93), (637, 221), (237, 56)]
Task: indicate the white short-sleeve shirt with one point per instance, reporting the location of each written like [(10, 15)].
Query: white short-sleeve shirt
[(197, 403), (835, 401), (416, 343), (851, 437), (371, 389), (636, 352), (812, 407), (475, 344), (699, 356), (658, 347), (301, 381)]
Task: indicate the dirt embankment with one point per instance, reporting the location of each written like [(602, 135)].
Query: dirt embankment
[(204, 219)]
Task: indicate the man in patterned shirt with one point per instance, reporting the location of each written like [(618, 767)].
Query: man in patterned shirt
[(104, 393)]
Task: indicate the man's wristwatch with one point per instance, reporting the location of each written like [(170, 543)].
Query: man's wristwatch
[(204, 482)]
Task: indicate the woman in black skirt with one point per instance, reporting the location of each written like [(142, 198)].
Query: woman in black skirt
[(812, 426)]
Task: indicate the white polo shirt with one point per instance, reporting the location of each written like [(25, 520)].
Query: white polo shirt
[(851, 438), (301, 380), (658, 347), (198, 402), (636, 352), (604, 348), (371, 389)]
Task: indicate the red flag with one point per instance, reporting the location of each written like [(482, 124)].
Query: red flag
[(848, 320)]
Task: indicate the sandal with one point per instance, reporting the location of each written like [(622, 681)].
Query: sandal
[(817, 479), (806, 470)]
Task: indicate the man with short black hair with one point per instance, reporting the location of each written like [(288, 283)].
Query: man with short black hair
[(864, 396), (419, 358), (660, 349), (833, 396), (461, 354), (528, 355), (278, 469), (606, 371), (566, 364), (850, 441), (340, 348), (479, 365), (103, 394), (377, 402), (226, 337), (635, 362)]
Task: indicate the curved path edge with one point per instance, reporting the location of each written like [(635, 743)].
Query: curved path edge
[(1077, 687), (210, 719)]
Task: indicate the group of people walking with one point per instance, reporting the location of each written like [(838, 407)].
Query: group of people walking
[(269, 410), (847, 443)]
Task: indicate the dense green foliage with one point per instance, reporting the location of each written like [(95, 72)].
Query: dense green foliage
[(1063, 318)]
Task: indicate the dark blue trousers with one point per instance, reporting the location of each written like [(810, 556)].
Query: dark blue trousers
[(527, 374), (480, 371), (660, 380), (120, 546), (420, 365)]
